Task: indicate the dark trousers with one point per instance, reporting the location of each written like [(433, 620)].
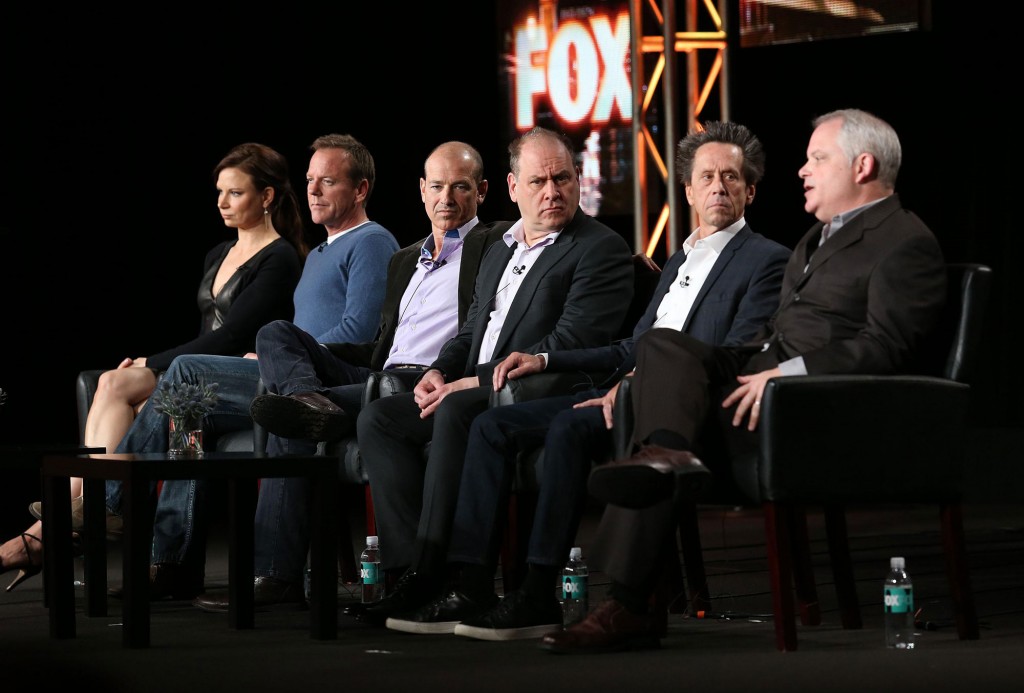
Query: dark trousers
[(572, 439), (678, 386), (291, 360), (414, 489)]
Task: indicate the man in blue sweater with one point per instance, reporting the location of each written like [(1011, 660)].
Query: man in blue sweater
[(338, 299), (314, 389)]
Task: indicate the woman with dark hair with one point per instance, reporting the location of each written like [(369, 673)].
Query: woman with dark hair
[(247, 282)]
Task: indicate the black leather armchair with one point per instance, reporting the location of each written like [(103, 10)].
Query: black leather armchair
[(877, 440)]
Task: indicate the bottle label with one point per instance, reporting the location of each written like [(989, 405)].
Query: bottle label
[(368, 573), (899, 600), (574, 587)]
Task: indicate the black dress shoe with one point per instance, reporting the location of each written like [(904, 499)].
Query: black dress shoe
[(652, 475), (412, 591), (168, 581), (266, 591), (307, 415)]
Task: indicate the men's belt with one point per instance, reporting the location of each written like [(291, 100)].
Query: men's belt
[(408, 366)]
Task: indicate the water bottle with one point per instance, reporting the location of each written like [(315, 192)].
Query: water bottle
[(898, 593), (370, 573), (574, 588)]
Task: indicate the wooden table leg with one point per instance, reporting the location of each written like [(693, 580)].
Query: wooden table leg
[(94, 542), (323, 597), (241, 552), (137, 545), (59, 572)]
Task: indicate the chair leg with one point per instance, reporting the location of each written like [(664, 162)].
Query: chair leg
[(956, 568), (670, 585), (803, 570), (516, 538), (777, 527), (693, 558), (842, 566), (371, 521)]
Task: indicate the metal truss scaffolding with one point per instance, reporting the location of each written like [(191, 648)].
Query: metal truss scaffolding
[(658, 201)]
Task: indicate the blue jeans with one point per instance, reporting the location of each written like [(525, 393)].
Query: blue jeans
[(292, 361), (180, 524)]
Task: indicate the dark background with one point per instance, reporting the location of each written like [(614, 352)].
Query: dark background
[(113, 123)]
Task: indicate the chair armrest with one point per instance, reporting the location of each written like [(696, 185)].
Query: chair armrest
[(622, 420), (850, 438), (545, 384), (390, 382)]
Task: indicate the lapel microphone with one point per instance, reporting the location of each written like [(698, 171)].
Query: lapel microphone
[(519, 270)]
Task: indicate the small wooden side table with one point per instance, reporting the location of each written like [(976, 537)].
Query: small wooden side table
[(137, 472)]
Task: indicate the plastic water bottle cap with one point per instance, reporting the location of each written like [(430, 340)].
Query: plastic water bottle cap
[(575, 553), (371, 541), (897, 563)]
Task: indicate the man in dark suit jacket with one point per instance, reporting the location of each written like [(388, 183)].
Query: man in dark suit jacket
[(862, 302), (560, 280), (720, 288), (315, 390)]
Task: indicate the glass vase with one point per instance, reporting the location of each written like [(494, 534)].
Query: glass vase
[(185, 437)]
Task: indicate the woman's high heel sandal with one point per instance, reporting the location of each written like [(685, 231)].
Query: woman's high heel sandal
[(27, 571)]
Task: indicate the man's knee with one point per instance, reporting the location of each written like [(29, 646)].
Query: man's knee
[(272, 334), (491, 426), (581, 423)]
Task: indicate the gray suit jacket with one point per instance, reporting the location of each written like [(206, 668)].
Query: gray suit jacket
[(576, 295)]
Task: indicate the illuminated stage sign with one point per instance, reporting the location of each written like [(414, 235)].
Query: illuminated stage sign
[(566, 67)]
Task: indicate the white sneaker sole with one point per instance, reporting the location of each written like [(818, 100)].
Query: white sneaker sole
[(421, 628), (504, 634)]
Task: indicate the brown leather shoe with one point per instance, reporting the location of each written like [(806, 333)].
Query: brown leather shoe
[(653, 474), (266, 591), (608, 628), (308, 415)]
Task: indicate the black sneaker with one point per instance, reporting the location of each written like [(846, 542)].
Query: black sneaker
[(442, 615), (516, 617), (412, 591)]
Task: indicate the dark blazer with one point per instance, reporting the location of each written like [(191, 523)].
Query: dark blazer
[(738, 297), (576, 295), (868, 298), (401, 268)]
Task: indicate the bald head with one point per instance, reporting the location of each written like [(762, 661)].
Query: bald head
[(453, 185), (453, 151)]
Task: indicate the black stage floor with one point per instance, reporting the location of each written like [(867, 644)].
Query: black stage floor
[(194, 650)]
